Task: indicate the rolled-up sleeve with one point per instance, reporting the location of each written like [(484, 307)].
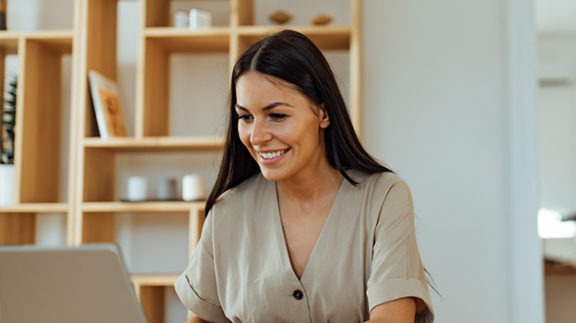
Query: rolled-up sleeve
[(196, 286), (396, 270)]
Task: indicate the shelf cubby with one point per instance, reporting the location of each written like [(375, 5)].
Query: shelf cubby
[(42, 135), (19, 224), (39, 114)]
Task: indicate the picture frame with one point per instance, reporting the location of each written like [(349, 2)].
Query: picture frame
[(107, 106)]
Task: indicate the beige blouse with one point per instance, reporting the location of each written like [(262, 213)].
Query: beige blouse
[(366, 255)]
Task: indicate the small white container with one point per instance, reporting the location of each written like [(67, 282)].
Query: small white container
[(199, 19), (192, 188), (167, 189), (136, 189), (180, 19)]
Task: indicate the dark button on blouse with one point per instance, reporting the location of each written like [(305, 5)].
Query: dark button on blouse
[(298, 295)]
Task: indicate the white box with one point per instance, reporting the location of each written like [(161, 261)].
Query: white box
[(181, 19), (199, 19)]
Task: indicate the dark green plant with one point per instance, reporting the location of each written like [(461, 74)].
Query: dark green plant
[(8, 123)]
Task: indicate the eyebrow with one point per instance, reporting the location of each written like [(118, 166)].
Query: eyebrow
[(268, 107)]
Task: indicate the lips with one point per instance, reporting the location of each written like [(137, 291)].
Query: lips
[(269, 155)]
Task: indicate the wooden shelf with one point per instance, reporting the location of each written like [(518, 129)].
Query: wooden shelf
[(156, 144), (9, 41), (35, 208), (60, 41), (209, 40), (153, 280), (108, 207), (553, 269), (326, 37)]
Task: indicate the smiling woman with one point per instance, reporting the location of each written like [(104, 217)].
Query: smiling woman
[(300, 211), (282, 128)]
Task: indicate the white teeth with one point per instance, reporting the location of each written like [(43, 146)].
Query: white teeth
[(272, 155)]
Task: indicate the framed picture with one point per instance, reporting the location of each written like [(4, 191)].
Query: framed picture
[(107, 107)]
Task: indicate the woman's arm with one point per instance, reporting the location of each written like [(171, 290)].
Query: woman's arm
[(192, 318), (402, 310)]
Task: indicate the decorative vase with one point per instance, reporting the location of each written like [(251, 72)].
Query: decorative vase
[(7, 187)]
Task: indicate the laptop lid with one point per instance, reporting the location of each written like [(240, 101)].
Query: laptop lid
[(87, 284)]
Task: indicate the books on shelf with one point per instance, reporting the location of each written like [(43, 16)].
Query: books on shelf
[(107, 107)]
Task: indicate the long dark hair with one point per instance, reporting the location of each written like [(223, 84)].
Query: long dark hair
[(292, 57)]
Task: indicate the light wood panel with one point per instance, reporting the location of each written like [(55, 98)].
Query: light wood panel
[(242, 12), (151, 290), (40, 109), (213, 40), (9, 42), (196, 222), (55, 41), (356, 97), (152, 301), (158, 207), (36, 208), (98, 228), (99, 175), (156, 144), (101, 33), (559, 269), (326, 38), (154, 105), (155, 13), (17, 228)]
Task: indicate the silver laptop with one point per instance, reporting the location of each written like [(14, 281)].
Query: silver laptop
[(86, 284)]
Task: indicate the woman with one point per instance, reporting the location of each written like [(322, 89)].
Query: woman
[(302, 224)]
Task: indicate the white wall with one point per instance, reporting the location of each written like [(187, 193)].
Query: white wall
[(557, 102), (436, 109)]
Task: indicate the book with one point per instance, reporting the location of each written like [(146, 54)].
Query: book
[(107, 107)]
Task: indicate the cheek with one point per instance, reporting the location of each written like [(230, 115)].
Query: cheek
[(244, 134)]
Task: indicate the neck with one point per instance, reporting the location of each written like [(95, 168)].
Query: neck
[(311, 189)]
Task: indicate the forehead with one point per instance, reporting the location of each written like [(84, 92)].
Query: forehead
[(258, 86)]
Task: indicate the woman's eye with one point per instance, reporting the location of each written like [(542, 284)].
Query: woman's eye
[(277, 116), (244, 117)]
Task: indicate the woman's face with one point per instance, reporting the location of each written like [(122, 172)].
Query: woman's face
[(281, 128)]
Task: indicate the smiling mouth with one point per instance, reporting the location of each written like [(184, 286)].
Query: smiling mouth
[(273, 154)]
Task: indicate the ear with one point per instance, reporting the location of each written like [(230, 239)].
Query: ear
[(323, 116)]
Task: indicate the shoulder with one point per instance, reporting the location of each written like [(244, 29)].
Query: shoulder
[(380, 182), (380, 189), (248, 187), (246, 195)]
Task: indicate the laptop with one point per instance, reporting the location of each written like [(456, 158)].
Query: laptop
[(86, 284)]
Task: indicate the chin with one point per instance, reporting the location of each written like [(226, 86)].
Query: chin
[(272, 175)]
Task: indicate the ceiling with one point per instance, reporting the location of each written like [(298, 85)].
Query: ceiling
[(556, 15)]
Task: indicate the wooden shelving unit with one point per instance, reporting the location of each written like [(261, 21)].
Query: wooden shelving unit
[(92, 203), (39, 142)]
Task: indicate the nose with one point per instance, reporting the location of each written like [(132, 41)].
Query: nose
[(259, 133)]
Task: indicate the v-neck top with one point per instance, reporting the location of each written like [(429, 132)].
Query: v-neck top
[(366, 255)]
